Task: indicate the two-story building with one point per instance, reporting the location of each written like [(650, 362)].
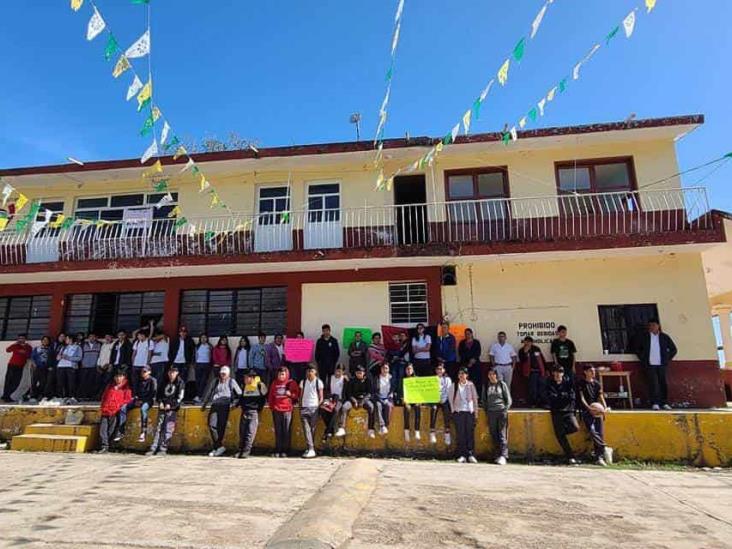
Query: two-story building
[(584, 226)]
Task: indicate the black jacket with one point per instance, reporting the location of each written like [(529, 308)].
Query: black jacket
[(561, 396), (253, 398), (125, 352), (327, 353), (171, 393), (147, 389), (668, 349), (189, 352), (358, 388)]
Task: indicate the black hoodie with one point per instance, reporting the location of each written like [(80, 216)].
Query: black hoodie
[(358, 388), (171, 393)]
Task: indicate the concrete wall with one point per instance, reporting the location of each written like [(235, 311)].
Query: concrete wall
[(698, 438)]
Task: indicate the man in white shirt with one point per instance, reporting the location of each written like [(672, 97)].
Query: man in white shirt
[(311, 397), (655, 351), (503, 358)]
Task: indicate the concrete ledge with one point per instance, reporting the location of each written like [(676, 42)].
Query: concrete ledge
[(326, 519), (698, 437)]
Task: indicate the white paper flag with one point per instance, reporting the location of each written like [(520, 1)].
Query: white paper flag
[(454, 132), (7, 191), (466, 120), (151, 151), (140, 48), (188, 165), (166, 200), (96, 25), (395, 40), (135, 87), (542, 104), (551, 94), (537, 21), (522, 123), (484, 93), (514, 134), (400, 9), (576, 70), (164, 134), (629, 24)]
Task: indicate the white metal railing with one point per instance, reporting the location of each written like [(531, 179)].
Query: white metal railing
[(546, 218)]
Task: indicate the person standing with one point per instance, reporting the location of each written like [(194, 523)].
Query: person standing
[(69, 358), (112, 410), (182, 353), (447, 349), (503, 358), (253, 397), (421, 346), (564, 353), (376, 355), (464, 406), (223, 393), (656, 350), (469, 352), (51, 389), (221, 355), (281, 397), (298, 369), (204, 352), (399, 360), (531, 360), (121, 353), (257, 356), (170, 397), (311, 397), (20, 354), (561, 396), (240, 362), (327, 352), (104, 365), (497, 402), (590, 392), (88, 375), (40, 359), (357, 352), (159, 358), (274, 356), (442, 406), (141, 351)]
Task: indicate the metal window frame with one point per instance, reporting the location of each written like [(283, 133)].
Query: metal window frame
[(426, 302)]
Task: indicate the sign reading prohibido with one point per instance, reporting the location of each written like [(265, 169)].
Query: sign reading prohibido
[(422, 390)]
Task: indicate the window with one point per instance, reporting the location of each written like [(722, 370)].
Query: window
[(24, 315), (485, 185), (123, 206), (622, 325), (596, 176), (408, 302), (246, 311), (324, 203), (107, 313), (273, 201)]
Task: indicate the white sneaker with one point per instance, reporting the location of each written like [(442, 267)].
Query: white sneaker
[(212, 453), (571, 461), (433, 439), (501, 461), (141, 438), (341, 432), (601, 462), (406, 435), (471, 459), (448, 440), (220, 451), (655, 407), (197, 400), (417, 435), (309, 454), (667, 407), (384, 431), (372, 434), (461, 459), (608, 455)]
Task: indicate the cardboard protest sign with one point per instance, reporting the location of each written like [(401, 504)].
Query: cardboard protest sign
[(299, 350), (349, 334), (422, 390)]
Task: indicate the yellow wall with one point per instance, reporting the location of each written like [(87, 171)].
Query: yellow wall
[(699, 438), (505, 293)]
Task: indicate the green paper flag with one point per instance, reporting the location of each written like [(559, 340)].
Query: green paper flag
[(518, 51), (476, 108), (180, 222), (389, 74), (196, 170), (532, 114), (140, 1), (612, 34), (728, 155), (506, 138), (68, 223), (285, 218), (161, 186), (147, 126), (447, 139), (144, 104), (112, 47), (21, 224), (563, 85), (172, 143), (35, 208), (209, 235)]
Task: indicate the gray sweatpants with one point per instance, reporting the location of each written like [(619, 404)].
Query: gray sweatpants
[(309, 420), (248, 425), (164, 430), (498, 427), (282, 421)]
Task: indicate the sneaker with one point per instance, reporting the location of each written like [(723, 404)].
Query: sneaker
[(242, 454), (275, 455), (501, 461), (72, 401), (117, 437), (667, 407), (571, 461), (150, 453), (341, 432), (220, 451), (283, 455), (309, 454), (406, 435), (608, 455), (471, 459), (417, 435), (655, 407), (461, 459), (384, 431), (448, 440), (601, 462), (212, 453), (372, 434), (197, 400), (103, 450), (141, 438), (433, 439)]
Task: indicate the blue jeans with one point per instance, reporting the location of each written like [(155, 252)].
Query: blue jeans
[(144, 413), (203, 371), (397, 372), (535, 388)]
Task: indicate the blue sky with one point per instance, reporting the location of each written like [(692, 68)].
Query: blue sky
[(286, 71)]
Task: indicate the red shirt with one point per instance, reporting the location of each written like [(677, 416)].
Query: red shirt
[(21, 354), (114, 397), (221, 356)]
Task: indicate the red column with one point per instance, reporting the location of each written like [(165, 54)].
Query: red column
[(56, 321), (294, 308), (434, 295), (171, 309)]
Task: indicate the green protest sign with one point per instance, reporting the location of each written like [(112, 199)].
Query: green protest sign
[(422, 390), (349, 334)]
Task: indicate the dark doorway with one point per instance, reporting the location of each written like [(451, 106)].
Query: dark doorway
[(410, 198)]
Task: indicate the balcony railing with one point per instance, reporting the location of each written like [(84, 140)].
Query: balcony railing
[(540, 219)]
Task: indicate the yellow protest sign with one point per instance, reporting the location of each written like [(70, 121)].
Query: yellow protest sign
[(422, 390)]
